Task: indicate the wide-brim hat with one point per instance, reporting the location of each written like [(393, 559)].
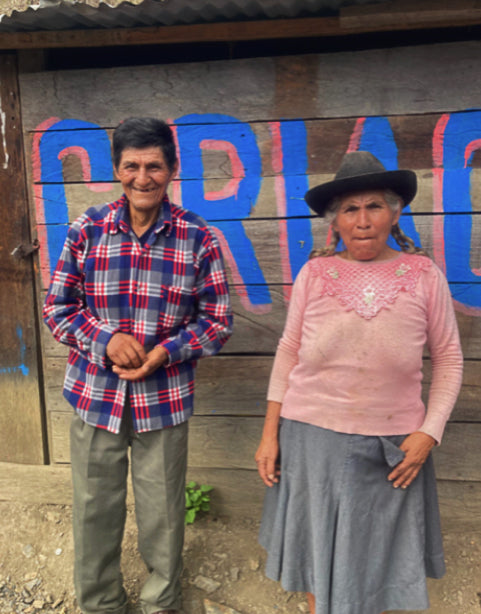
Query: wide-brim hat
[(359, 171)]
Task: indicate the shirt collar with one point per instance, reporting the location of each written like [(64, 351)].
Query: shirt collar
[(121, 218)]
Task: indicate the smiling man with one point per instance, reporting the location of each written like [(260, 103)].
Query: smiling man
[(139, 294)]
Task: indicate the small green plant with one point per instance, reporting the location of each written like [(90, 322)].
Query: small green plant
[(197, 499)]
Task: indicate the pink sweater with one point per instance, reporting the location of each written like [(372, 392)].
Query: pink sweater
[(350, 357)]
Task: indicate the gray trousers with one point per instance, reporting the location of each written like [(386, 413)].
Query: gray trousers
[(99, 473)]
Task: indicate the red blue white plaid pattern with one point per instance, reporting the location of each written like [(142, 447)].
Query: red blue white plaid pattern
[(172, 291)]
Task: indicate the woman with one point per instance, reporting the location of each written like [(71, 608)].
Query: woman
[(351, 514)]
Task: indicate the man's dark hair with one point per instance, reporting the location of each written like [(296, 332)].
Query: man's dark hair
[(143, 132)]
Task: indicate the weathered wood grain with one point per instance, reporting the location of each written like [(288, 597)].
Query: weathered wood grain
[(236, 494), (20, 416), (409, 14), (400, 81), (404, 16), (259, 333), (79, 197), (323, 145), (237, 386), (460, 505), (225, 385), (225, 442), (254, 333), (229, 443), (254, 244), (327, 96), (457, 457), (35, 484), (189, 33), (325, 141), (459, 502)]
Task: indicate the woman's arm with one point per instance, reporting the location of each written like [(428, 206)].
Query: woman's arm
[(267, 455), (447, 366), (446, 356)]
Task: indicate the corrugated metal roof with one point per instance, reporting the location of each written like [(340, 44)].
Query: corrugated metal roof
[(73, 14)]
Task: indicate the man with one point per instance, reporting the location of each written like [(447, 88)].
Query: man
[(139, 294)]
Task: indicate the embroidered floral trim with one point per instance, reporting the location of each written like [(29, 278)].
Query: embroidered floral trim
[(365, 287)]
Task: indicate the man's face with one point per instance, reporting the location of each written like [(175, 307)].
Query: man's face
[(145, 176)]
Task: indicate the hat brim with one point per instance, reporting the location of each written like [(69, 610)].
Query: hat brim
[(402, 182)]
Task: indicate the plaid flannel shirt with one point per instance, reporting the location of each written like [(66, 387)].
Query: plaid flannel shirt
[(172, 292)]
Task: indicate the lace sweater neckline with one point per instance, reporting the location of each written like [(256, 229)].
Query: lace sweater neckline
[(368, 287)]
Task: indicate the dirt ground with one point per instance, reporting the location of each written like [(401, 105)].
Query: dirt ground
[(223, 564)]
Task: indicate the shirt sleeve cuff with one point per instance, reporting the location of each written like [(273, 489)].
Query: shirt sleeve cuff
[(432, 431), (174, 353), (98, 348)]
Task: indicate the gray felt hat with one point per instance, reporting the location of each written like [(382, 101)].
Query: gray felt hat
[(359, 171)]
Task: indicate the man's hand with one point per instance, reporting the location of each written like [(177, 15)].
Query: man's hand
[(125, 351), (154, 359), (417, 447)]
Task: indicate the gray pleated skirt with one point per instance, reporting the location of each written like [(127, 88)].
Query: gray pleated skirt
[(335, 527)]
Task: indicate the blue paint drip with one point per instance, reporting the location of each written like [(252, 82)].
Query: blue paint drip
[(24, 370)]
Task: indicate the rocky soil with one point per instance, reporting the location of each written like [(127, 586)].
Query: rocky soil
[(223, 567)]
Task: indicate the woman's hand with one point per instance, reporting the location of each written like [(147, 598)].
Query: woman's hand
[(417, 447), (267, 459)]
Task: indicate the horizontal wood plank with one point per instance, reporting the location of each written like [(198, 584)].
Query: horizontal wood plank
[(404, 81), (255, 253), (321, 143), (162, 35), (458, 456), (406, 14), (237, 386), (349, 20), (224, 442), (236, 494), (259, 332)]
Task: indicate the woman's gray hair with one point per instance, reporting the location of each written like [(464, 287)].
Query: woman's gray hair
[(394, 201)]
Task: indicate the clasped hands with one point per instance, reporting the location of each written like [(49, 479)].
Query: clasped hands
[(130, 360)]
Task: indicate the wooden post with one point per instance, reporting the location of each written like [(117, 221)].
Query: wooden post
[(22, 438)]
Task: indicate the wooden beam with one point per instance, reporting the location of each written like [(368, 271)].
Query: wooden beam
[(377, 18), (409, 14), (161, 35)]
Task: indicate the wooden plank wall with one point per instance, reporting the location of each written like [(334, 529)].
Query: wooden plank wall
[(253, 135)]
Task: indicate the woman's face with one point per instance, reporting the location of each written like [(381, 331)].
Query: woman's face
[(364, 221)]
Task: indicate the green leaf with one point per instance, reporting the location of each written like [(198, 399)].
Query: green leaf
[(190, 516), (197, 500)]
